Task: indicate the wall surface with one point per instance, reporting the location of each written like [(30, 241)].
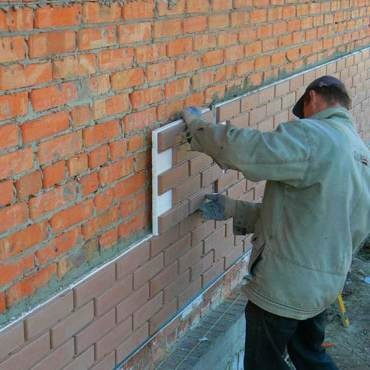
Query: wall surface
[(81, 88)]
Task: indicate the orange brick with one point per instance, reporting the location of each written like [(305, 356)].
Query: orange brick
[(18, 242), (2, 302), (177, 88), (13, 105), (98, 156), (137, 32), (110, 106), (131, 205), (45, 126), (58, 16), (30, 284), (73, 66), (101, 133), (118, 149), (168, 110), (126, 79), (80, 115), (104, 200), (129, 186), (8, 136), (212, 58), (196, 6), (12, 216), (150, 53), (204, 41), (49, 43), (99, 85), (29, 185), (94, 38), (177, 8), (147, 96), (16, 19), (180, 46), (195, 24), (239, 19), (60, 147), (99, 13), (89, 183), (12, 49), (52, 200), (135, 224), (139, 120), (167, 28), (109, 238), (10, 271), (6, 193), (218, 21), (17, 76), (49, 97), (135, 143), (138, 10), (263, 62), (233, 53), (202, 79), (53, 174), (95, 225), (187, 64), (221, 5), (72, 215), (109, 60), (14, 163), (160, 71), (77, 164), (258, 16), (115, 171)]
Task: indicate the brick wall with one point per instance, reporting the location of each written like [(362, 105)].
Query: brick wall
[(82, 86)]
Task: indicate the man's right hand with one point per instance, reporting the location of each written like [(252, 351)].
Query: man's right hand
[(218, 207)]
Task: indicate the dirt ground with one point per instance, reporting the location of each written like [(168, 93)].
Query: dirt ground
[(351, 346)]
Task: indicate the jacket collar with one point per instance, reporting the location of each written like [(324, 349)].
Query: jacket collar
[(338, 112)]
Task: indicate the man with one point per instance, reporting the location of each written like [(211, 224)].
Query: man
[(315, 214)]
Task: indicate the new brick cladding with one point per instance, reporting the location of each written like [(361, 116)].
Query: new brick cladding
[(82, 86)]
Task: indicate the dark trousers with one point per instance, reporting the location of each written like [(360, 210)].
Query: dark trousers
[(268, 337)]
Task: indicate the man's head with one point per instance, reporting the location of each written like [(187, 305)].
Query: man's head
[(322, 93)]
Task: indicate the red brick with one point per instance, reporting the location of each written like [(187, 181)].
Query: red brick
[(15, 105), (218, 21), (140, 120), (74, 66), (101, 133), (77, 164), (48, 17), (188, 64), (164, 9), (61, 356), (131, 343), (160, 71), (72, 324), (44, 318), (94, 226), (177, 88), (83, 361), (167, 28), (129, 186), (80, 115), (11, 339), (98, 157), (137, 32), (11, 271), (132, 303), (30, 184), (126, 79), (109, 60), (218, 5), (150, 53), (17, 76), (147, 310), (52, 96), (213, 58), (110, 106), (95, 286), (12, 216), (115, 337), (138, 10), (2, 303), (12, 49), (137, 223), (179, 46), (49, 43), (195, 24), (94, 38), (29, 285), (45, 126), (6, 193), (196, 6), (16, 19), (147, 96), (109, 238), (99, 85), (99, 13), (72, 215), (8, 136), (53, 174), (144, 273), (169, 111), (115, 171), (62, 146), (118, 149), (29, 355)]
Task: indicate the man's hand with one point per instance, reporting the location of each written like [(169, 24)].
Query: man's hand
[(191, 115), (218, 207)]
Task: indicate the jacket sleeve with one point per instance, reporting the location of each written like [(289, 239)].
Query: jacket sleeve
[(245, 217), (281, 155)]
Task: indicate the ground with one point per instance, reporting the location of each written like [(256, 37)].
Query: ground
[(351, 346)]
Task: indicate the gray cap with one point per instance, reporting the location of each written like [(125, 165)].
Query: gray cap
[(324, 81)]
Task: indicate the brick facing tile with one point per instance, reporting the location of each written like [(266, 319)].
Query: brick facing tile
[(83, 361), (173, 216), (93, 287), (228, 111), (144, 273), (162, 315), (164, 278), (148, 310), (108, 362), (72, 324), (173, 177), (162, 241), (199, 163), (47, 316), (168, 138), (11, 339)]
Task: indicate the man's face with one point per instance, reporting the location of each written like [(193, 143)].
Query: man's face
[(315, 104)]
